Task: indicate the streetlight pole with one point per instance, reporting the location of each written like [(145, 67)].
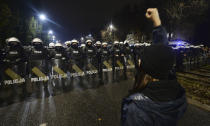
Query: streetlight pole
[(42, 18), (50, 34), (111, 28)]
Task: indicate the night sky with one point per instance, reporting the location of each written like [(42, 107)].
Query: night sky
[(78, 17)]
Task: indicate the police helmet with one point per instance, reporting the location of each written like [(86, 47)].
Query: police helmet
[(191, 46), (147, 44), (126, 41), (82, 45), (12, 39), (116, 42), (175, 48), (137, 44), (37, 40), (201, 45), (74, 41), (98, 43), (58, 45), (67, 42), (121, 43), (51, 44), (104, 43), (197, 47), (89, 41), (187, 47)]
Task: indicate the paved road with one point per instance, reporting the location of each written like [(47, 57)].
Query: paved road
[(93, 107)]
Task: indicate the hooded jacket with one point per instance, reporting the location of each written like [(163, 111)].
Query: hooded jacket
[(160, 103)]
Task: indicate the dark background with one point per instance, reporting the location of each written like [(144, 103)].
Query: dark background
[(75, 18)]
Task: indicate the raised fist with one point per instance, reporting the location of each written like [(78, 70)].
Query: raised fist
[(153, 15)]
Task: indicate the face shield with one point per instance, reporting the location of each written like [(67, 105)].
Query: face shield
[(74, 45), (37, 44), (105, 46), (13, 44)]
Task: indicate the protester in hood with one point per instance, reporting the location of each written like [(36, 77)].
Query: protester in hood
[(155, 100)]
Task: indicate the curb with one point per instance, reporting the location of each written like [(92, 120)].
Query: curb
[(198, 104)]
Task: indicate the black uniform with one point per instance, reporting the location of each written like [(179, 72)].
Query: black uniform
[(106, 64), (13, 70), (99, 62), (179, 59), (128, 58), (137, 53), (115, 58), (38, 66), (90, 63), (58, 60), (76, 64)]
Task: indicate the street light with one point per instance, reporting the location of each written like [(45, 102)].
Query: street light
[(111, 26), (42, 17), (50, 32)]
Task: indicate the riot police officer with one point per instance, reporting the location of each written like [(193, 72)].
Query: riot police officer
[(137, 52), (106, 60), (13, 69), (68, 44), (121, 44), (98, 57), (58, 59), (82, 46), (51, 45), (76, 64), (90, 62), (115, 60), (38, 59), (180, 59)]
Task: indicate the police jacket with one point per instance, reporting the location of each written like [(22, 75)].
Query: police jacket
[(13, 55), (127, 50), (116, 51), (58, 53), (38, 53), (160, 103), (105, 53), (90, 51), (75, 54)]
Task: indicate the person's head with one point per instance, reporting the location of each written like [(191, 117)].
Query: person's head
[(13, 42), (68, 43), (37, 42), (74, 43), (155, 65), (121, 44), (116, 43), (104, 44), (51, 45), (58, 46), (89, 42), (98, 44)]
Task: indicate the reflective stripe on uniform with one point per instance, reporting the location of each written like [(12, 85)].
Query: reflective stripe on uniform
[(130, 62), (37, 72), (76, 68), (107, 65), (12, 74), (91, 66), (119, 63)]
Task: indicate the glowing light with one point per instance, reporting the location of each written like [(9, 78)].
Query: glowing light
[(42, 17), (111, 26), (53, 37), (50, 32)]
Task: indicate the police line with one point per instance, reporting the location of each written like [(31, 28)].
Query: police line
[(41, 77)]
